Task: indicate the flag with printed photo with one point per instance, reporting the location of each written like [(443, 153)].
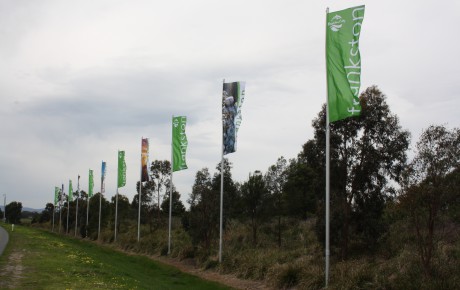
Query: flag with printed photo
[(145, 160), (103, 172), (232, 101)]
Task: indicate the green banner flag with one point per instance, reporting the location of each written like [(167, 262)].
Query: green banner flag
[(121, 169), (70, 191), (91, 184), (343, 62), (56, 195), (179, 143)]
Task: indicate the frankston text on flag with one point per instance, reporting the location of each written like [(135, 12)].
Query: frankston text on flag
[(179, 143), (70, 190), (91, 184), (232, 100), (121, 169), (56, 195), (343, 62)]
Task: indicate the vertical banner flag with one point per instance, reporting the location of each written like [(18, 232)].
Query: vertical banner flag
[(145, 159), (121, 169), (232, 100), (179, 143), (70, 191), (343, 62), (56, 195), (103, 177), (91, 184)]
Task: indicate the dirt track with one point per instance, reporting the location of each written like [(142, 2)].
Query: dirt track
[(228, 280)]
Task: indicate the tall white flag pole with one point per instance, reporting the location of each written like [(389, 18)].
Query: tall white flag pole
[(100, 201), (139, 200), (60, 207), (76, 211), (327, 252), (116, 201), (116, 214), (87, 209), (54, 207), (221, 187), (171, 185), (68, 209)]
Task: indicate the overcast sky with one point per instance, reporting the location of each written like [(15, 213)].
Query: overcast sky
[(81, 79)]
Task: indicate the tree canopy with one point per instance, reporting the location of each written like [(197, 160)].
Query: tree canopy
[(367, 152)]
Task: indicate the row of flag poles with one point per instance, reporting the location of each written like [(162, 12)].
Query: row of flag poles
[(232, 100), (343, 76), (178, 162)]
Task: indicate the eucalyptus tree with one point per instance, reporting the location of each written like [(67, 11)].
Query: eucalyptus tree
[(47, 214), (232, 206), (178, 207), (367, 153), (123, 210), (160, 174), (275, 179), (13, 212), (204, 210), (430, 188), (254, 195)]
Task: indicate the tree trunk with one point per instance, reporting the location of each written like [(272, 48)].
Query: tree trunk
[(345, 230), (158, 205), (254, 230), (279, 231)]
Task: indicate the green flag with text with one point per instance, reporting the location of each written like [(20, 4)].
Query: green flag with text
[(91, 184), (70, 191), (343, 62), (56, 195), (121, 169), (179, 143)]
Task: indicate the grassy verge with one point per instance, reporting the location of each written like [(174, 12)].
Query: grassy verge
[(36, 259)]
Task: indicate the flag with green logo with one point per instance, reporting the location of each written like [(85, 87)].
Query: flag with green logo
[(91, 184), (179, 141), (343, 62), (121, 169), (70, 191), (56, 195)]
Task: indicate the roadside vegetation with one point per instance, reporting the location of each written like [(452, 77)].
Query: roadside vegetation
[(37, 259), (395, 221)]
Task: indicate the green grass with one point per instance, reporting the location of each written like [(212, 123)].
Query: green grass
[(37, 259)]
